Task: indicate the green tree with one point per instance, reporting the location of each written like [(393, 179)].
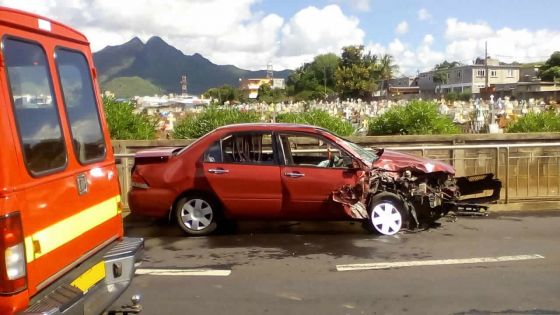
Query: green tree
[(551, 68), (265, 93), (386, 68), (356, 74), (458, 96), (416, 118), (319, 118), (224, 93), (547, 121), (442, 70), (124, 124), (315, 79), (269, 95), (197, 125)]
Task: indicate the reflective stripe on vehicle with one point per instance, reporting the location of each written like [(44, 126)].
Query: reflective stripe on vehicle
[(62, 232)]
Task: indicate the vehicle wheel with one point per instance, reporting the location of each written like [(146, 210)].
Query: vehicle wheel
[(197, 214), (387, 214)]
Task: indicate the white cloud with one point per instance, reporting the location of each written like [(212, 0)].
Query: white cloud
[(166, 18), (424, 15), (409, 58), (232, 32), (360, 5), (396, 47), (466, 41), (402, 28), (462, 30), (315, 31), (428, 39), (224, 31)]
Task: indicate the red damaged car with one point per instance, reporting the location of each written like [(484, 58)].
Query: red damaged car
[(296, 172)]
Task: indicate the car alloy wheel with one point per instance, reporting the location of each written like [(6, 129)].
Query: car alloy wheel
[(196, 215)]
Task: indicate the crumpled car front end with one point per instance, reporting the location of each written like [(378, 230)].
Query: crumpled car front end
[(426, 189)]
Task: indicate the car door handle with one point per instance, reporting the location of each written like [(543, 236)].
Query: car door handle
[(294, 175), (218, 171)]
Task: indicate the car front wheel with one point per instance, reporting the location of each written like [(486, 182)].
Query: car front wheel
[(197, 214), (387, 214)]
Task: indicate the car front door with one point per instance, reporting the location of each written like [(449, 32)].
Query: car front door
[(313, 167), (243, 172)]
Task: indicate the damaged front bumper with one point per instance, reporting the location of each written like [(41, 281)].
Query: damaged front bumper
[(479, 184)]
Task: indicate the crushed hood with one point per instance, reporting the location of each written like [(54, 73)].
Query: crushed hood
[(396, 161)]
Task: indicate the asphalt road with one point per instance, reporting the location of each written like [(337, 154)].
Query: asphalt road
[(504, 264)]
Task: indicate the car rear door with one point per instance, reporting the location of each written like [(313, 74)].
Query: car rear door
[(243, 172), (307, 179)]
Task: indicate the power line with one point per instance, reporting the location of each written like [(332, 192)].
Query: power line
[(524, 57)]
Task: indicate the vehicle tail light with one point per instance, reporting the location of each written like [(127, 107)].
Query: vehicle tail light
[(13, 272), (137, 181)]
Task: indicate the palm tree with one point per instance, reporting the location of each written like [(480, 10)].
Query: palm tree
[(386, 69), (441, 70)]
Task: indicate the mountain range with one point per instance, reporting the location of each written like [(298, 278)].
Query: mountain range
[(155, 67)]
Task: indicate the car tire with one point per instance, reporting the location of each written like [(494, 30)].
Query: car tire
[(197, 214), (387, 214)]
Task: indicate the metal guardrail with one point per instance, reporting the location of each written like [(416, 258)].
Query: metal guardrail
[(515, 164), (507, 148)]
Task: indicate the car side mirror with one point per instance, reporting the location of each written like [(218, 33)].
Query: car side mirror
[(378, 151), (355, 165)]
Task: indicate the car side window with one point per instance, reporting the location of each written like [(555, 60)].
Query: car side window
[(35, 107), (313, 151), (214, 153), (81, 105), (244, 148)]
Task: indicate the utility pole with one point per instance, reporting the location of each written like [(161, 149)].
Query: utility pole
[(486, 65), (325, 80), (555, 99)]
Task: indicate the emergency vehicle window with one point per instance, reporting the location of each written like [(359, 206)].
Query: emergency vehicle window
[(34, 106), (81, 105)]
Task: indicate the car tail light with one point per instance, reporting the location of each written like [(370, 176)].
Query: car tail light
[(12, 254), (137, 181)]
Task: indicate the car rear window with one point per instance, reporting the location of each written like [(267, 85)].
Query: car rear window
[(34, 105), (81, 106)]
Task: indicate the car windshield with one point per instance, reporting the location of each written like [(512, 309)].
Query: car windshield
[(365, 154)]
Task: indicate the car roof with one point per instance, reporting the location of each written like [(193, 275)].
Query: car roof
[(39, 24), (269, 126)]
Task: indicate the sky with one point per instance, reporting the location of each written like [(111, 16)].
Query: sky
[(251, 34)]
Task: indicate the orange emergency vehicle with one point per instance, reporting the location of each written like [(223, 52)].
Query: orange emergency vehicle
[(62, 249)]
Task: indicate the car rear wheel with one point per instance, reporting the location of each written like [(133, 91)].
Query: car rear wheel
[(197, 214), (387, 214)]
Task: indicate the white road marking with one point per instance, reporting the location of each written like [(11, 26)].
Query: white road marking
[(400, 264), (183, 272)]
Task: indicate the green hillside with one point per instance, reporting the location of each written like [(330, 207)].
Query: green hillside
[(126, 87), (163, 65)]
